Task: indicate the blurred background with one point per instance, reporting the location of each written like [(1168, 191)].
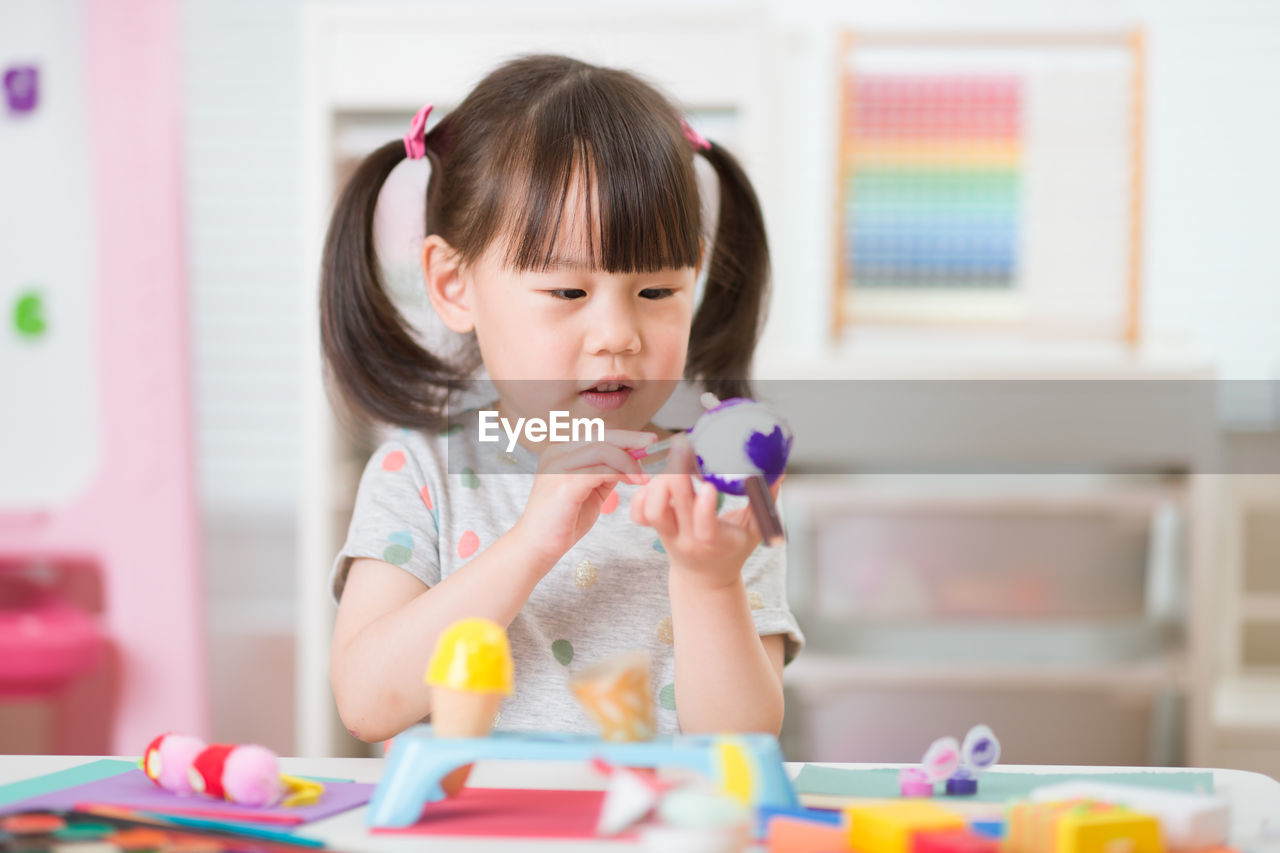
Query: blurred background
[(962, 192)]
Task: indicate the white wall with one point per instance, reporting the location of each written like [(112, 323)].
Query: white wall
[(243, 215)]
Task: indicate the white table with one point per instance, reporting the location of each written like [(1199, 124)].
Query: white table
[(1254, 798)]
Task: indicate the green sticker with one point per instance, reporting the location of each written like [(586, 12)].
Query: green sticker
[(667, 697), (28, 315), (563, 650), (469, 479)]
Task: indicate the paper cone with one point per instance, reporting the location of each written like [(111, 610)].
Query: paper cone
[(616, 694)]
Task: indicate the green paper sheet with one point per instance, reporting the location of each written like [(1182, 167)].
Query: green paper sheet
[(72, 776), (996, 786)]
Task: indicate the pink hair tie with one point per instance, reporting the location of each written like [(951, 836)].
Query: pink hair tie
[(697, 140), (415, 141)]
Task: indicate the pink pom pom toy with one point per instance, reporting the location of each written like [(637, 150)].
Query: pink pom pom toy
[(248, 775)]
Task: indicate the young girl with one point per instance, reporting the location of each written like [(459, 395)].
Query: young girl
[(564, 241)]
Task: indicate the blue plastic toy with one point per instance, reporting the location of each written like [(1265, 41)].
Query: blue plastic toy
[(418, 762)]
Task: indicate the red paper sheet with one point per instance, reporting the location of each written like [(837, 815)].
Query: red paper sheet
[(511, 812)]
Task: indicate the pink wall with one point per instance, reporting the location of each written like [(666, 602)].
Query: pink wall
[(138, 518)]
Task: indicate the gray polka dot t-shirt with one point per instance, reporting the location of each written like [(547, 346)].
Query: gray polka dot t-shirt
[(430, 503)]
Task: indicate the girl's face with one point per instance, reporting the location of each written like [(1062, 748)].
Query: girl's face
[(577, 339)]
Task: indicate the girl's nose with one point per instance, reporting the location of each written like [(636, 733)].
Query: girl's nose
[(613, 329)]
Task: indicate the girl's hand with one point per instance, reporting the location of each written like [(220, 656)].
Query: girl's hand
[(704, 547), (572, 483)]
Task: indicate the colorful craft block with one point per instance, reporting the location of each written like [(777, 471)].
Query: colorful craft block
[(890, 827), (953, 841), (799, 835), (1187, 821), (1031, 827), (765, 814), (1112, 831)]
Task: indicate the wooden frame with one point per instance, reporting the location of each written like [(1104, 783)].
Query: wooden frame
[(843, 315)]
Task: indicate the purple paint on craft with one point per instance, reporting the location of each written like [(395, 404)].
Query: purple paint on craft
[(728, 485), (769, 453), (22, 88)]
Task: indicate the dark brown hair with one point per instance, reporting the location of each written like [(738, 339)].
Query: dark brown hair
[(502, 165)]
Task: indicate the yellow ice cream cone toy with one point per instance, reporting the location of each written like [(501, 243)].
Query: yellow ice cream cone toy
[(470, 673)]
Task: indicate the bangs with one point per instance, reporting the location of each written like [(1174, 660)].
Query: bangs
[(594, 168)]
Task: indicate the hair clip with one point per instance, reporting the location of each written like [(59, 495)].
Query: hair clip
[(697, 140), (415, 141)]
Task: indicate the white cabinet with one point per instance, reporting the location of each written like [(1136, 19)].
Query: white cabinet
[(1052, 607), (1047, 571)]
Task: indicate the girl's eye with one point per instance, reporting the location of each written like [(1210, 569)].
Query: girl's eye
[(656, 292), (570, 293)]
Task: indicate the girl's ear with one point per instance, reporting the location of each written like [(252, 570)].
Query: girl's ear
[(445, 286)]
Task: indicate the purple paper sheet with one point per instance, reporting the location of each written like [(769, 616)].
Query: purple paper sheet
[(133, 790)]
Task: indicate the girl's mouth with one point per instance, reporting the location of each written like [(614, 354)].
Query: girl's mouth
[(606, 396)]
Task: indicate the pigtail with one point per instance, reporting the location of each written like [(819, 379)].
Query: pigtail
[(727, 324), (377, 366)]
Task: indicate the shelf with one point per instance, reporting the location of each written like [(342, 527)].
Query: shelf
[(905, 352), (1247, 702), (820, 673), (1255, 607), (984, 493)]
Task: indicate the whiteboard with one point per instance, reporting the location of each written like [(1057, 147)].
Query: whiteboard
[(50, 425)]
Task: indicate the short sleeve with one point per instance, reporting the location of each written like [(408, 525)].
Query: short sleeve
[(396, 517), (765, 577)]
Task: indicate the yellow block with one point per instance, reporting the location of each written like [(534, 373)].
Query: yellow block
[(1115, 831), (1033, 827), (888, 828)]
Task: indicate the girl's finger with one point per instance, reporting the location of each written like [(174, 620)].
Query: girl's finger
[(613, 438), (626, 438), (705, 520), (678, 477), (619, 459), (637, 505), (581, 482), (585, 456), (680, 458), (742, 518), (681, 486), (604, 490), (657, 507)]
